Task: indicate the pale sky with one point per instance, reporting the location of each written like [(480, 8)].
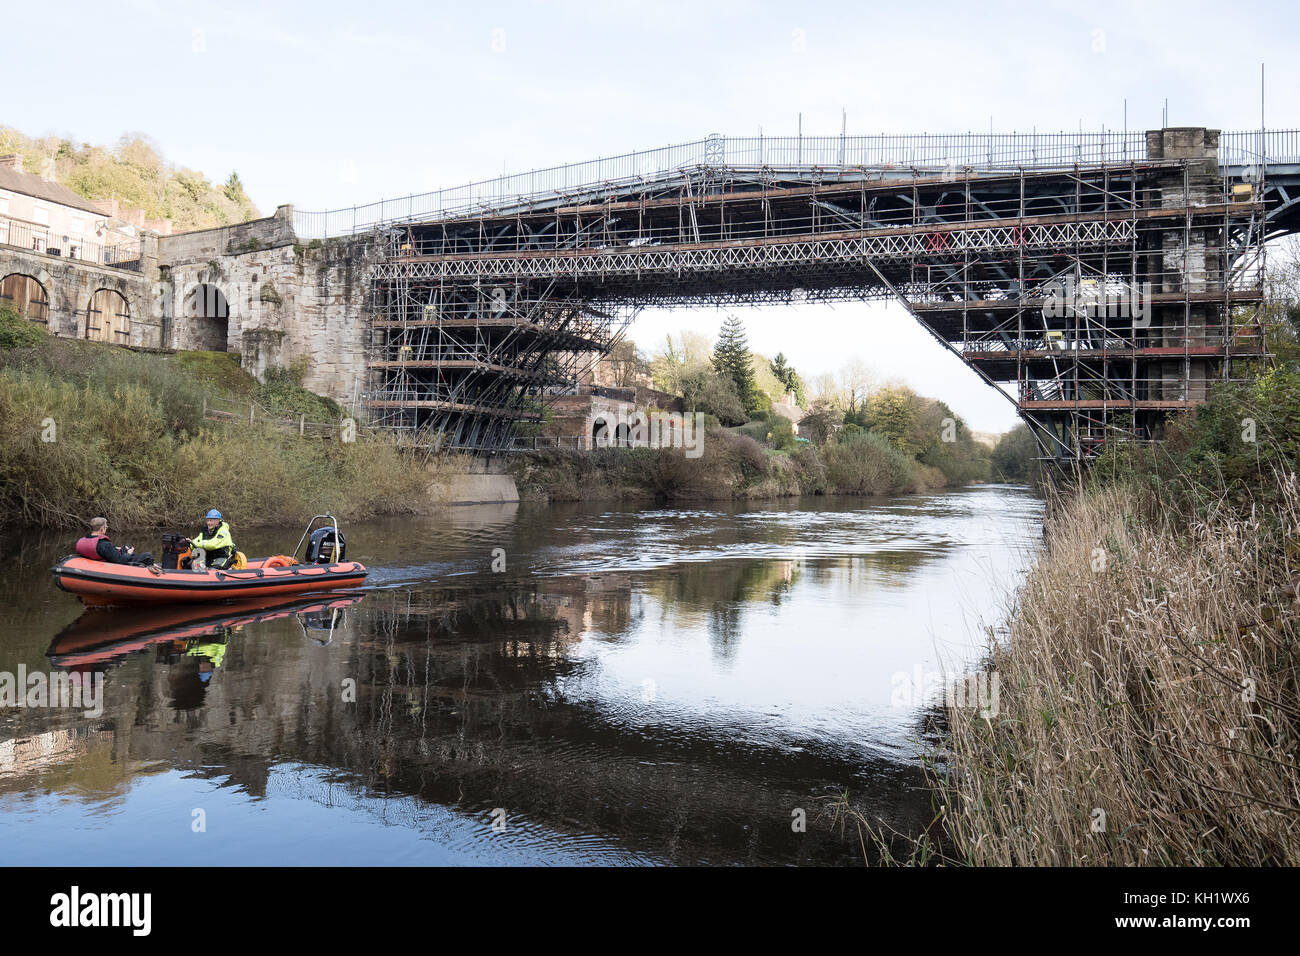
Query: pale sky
[(327, 104)]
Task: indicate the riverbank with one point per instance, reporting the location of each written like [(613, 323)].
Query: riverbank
[(1146, 710), (734, 466), (90, 429)]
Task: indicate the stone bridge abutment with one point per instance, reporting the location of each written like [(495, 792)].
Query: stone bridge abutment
[(252, 288)]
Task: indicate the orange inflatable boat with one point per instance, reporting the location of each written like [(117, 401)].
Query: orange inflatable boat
[(323, 568)]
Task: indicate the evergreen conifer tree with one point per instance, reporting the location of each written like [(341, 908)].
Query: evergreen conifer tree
[(731, 358), (787, 376)]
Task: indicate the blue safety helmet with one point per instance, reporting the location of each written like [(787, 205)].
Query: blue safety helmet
[(213, 513)]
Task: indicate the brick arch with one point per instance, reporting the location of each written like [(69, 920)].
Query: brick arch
[(26, 295)]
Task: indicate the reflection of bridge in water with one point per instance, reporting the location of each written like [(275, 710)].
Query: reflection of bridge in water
[(524, 689), (486, 299), (459, 703)]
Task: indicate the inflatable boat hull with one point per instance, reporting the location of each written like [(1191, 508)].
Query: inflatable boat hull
[(101, 583)]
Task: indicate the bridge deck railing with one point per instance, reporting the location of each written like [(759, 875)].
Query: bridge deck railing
[(975, 150)]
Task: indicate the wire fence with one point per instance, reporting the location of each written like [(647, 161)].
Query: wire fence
[(250, 413), (940, 150), (540, 442)]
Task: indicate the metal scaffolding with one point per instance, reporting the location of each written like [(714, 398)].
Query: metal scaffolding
[(469, 366), (1100, 297)]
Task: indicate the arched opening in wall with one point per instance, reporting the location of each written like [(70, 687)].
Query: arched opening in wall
[(207, 315), (26, 296), (108, 319)]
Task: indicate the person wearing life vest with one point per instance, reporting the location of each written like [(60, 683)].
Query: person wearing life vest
[(96, 546), (215, 540)]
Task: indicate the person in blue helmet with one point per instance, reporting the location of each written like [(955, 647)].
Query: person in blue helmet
[(216, 540)]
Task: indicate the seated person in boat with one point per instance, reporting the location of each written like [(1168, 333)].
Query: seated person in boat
[(97, 547), (215, 540)]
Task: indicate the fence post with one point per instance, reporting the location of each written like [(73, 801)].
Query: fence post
[(302, 422), (205, 406), (251, 410)]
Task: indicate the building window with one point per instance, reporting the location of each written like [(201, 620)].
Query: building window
[(41, 216), (4, 205)]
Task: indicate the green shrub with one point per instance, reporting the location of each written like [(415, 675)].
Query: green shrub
[(756, 430), (707, 391), (281, 391), (866, 463), (780, 433), (811, 472), (740, 450), (178, 394), (1229, 450), (1015, 456), (17, 332)]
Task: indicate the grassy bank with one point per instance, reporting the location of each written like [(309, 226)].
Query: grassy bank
[(735, 465), (90, 429), (1148, 707)]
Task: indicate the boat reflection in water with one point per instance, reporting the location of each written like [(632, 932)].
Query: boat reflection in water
[(102, 639)]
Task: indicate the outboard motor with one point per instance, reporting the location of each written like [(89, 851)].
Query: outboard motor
[(324, 548), (172, 549)]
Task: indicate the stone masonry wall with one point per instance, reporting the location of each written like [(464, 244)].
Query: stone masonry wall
[(70, 283), (290, 304), (1184, 261)]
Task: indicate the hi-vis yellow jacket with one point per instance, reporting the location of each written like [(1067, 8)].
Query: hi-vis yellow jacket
[(219, 541)]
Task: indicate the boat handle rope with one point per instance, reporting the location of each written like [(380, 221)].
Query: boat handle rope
[(239, 575), (254, 573)]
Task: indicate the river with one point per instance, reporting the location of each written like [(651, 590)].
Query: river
[(572, 684)]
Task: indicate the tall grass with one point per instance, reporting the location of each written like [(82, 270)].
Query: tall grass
[(95, 430), (1148, 709)]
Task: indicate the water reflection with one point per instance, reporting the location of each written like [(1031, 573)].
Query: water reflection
[(101, 639), (636, 686)]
